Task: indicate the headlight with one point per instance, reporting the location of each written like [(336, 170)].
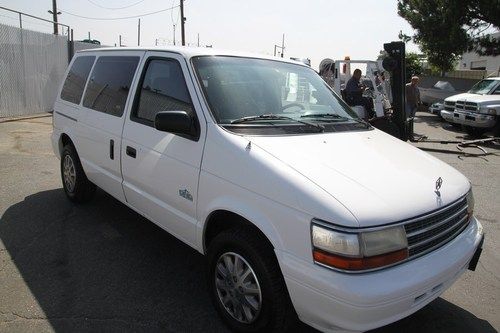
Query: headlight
[(491, 111), (358, 251), (470, 203)]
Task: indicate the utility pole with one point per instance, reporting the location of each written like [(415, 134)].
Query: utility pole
[(139, 33), (183, 20), (283, 46), (89, 35), (54, 13), (120, 40), (174, 34), (198, 39)]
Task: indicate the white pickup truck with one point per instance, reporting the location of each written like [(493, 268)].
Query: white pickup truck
[(478, 109)]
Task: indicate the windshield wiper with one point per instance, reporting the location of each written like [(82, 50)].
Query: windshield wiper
[(271, 116), (336, 117), (324, 115)]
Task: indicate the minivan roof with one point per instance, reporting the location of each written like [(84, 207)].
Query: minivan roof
[(189, 52)]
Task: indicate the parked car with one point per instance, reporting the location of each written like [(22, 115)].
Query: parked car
[(437, 93), (478, 109), (436, 108), (267, 182)]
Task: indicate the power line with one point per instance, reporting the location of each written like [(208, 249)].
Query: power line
[(118, 18), (128, 6)]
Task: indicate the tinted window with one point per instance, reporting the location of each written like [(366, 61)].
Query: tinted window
[(163, 89), (74, 84), (109, 84)]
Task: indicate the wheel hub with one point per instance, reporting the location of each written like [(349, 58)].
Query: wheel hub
[(238, 287), (69, 173)]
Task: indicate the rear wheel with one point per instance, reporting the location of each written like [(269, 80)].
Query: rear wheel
[(246, 284), (75, 183)]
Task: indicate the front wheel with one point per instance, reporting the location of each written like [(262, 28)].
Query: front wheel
[(475, 132), (246, 284)]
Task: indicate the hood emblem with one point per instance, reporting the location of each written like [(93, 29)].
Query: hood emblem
[(439, 182)]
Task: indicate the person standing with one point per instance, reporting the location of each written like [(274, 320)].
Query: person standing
[(412, 97)]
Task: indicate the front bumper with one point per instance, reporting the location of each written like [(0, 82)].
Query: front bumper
[(447, 115), (474, 119), (331, 301)]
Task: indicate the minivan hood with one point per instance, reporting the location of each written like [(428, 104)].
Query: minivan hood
[(378, 178)]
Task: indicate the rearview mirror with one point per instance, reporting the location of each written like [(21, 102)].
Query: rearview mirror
[(177, 122)]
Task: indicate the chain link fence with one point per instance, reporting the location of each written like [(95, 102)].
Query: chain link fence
[(32, 66)]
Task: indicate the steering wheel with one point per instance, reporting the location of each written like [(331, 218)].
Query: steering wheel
[(292, 105)]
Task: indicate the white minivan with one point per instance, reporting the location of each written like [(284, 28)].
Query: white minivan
[(302, 209)]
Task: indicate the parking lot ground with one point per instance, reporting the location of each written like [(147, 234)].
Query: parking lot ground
[(102, 267)]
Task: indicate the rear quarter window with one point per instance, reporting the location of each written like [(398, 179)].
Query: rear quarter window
[(78, 74), (109, 84)]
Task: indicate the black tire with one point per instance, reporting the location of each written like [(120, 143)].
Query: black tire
[(83, 189), (475, 132), (496, 128), (455, 125), (276, 312)]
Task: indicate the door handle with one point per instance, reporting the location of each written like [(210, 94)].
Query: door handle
[(112, 149), (131, 152)]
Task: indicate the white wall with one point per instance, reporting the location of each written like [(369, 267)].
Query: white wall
[(470, 60)]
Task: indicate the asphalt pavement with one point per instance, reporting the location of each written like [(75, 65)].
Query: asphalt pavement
[(102, 267)]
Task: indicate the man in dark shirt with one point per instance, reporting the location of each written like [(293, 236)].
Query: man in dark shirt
[(354, 93)]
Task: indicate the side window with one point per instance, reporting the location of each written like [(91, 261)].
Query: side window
[(74, 84), (163, 88), (109, 84)]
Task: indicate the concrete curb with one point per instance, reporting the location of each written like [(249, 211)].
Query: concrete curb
[(19, 118)]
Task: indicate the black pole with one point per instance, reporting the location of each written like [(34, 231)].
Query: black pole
[(183, 20), (54, 17), (395, 64)]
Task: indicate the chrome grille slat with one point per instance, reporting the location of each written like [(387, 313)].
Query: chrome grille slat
[(439, 244), (433, 226), (437, 228), (421, 222), (436, 236)]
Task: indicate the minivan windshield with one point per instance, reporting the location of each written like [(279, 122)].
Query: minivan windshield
[(249, 92), (483, 87)]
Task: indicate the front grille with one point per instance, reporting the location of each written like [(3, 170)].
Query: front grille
[(459, 105), (470, 106), (433, 230), (449, 106)]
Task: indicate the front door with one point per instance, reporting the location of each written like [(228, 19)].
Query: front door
[(160, 169)]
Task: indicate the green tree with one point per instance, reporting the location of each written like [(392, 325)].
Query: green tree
[(413, 65), (445, 29)]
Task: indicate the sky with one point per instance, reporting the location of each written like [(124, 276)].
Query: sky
[(314, 29)]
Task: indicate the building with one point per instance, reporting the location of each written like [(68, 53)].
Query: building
[(471, 60)]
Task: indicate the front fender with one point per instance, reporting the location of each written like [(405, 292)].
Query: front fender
[(286, 227)]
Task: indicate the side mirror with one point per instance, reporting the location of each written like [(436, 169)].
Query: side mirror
[(177, 122)]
